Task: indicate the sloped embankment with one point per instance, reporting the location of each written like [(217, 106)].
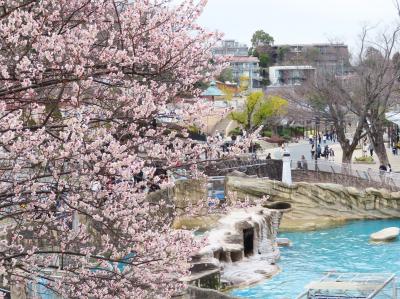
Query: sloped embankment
[(320, 205)]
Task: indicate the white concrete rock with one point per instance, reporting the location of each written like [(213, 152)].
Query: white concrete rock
[(387, 234), (284, 242)]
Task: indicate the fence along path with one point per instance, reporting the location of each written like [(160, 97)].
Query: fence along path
[(338, 172), (383, 179)]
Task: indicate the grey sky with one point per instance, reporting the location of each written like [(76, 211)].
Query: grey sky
[(298, 21)]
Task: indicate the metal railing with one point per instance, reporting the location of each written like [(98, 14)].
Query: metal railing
[(354, 173), (387, 179), (352, 285)]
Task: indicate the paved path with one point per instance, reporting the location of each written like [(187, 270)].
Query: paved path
[(304, 148), (393, 160)]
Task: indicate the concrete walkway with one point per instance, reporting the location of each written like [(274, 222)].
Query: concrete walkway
[(393, 160), (304, 148)]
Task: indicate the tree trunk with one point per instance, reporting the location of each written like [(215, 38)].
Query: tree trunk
[(380, 149), (347, 147), (347, 155), (375, 132)]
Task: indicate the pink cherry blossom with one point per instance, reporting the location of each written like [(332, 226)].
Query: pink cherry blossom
[(82, 84)]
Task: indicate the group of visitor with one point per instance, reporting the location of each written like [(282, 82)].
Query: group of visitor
[(328, 153), (328, 136), (367, 148)]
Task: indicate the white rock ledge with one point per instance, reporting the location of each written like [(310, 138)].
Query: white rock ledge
[(284, 242), (387, 234)]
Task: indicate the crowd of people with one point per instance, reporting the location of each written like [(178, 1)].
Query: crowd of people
[(327, 152), (328, 136), (321, 148)]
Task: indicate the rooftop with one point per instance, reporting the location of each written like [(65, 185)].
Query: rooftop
[(212, 91), (243, 59), (312, 45), (230, 42), (393, 116), (291, 67)]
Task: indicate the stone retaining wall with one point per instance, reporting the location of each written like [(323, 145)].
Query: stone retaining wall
[(318, 205), (311, 176), (262, 168), (187, 192)]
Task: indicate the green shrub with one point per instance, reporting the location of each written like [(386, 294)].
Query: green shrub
[(283, 131), (367, 159), (298, 130), (257, 146), (236, 131), (193, 129), (266, 133), (290, 131)]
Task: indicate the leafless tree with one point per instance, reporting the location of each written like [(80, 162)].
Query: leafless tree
[(362, 95), (378, 70), (332, 99)]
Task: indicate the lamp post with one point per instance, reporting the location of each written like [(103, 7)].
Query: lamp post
[(316, 141)]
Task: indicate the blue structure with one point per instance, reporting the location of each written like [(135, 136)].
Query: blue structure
[(212, 91)]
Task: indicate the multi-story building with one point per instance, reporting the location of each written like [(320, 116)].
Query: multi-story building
[(323, 57), (290, 74), (231, 47), (241, 63), (246, 66)]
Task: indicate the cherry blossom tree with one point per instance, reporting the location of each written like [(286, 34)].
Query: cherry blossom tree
[(81, 85)]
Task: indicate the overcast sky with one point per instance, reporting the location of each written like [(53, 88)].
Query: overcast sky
[(298, 21)]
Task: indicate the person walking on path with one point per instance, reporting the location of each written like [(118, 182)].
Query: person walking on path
[(364, 149), (371, 149), (331, 155), (394, 150), (318, 151), (312, 151), (326, 152), (268, 156)]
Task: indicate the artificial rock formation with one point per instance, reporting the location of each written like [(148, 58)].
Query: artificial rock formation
[(384, 235), (316, 206), (242, 249)]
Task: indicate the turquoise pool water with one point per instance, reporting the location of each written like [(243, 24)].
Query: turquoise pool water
[(343, 249)]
